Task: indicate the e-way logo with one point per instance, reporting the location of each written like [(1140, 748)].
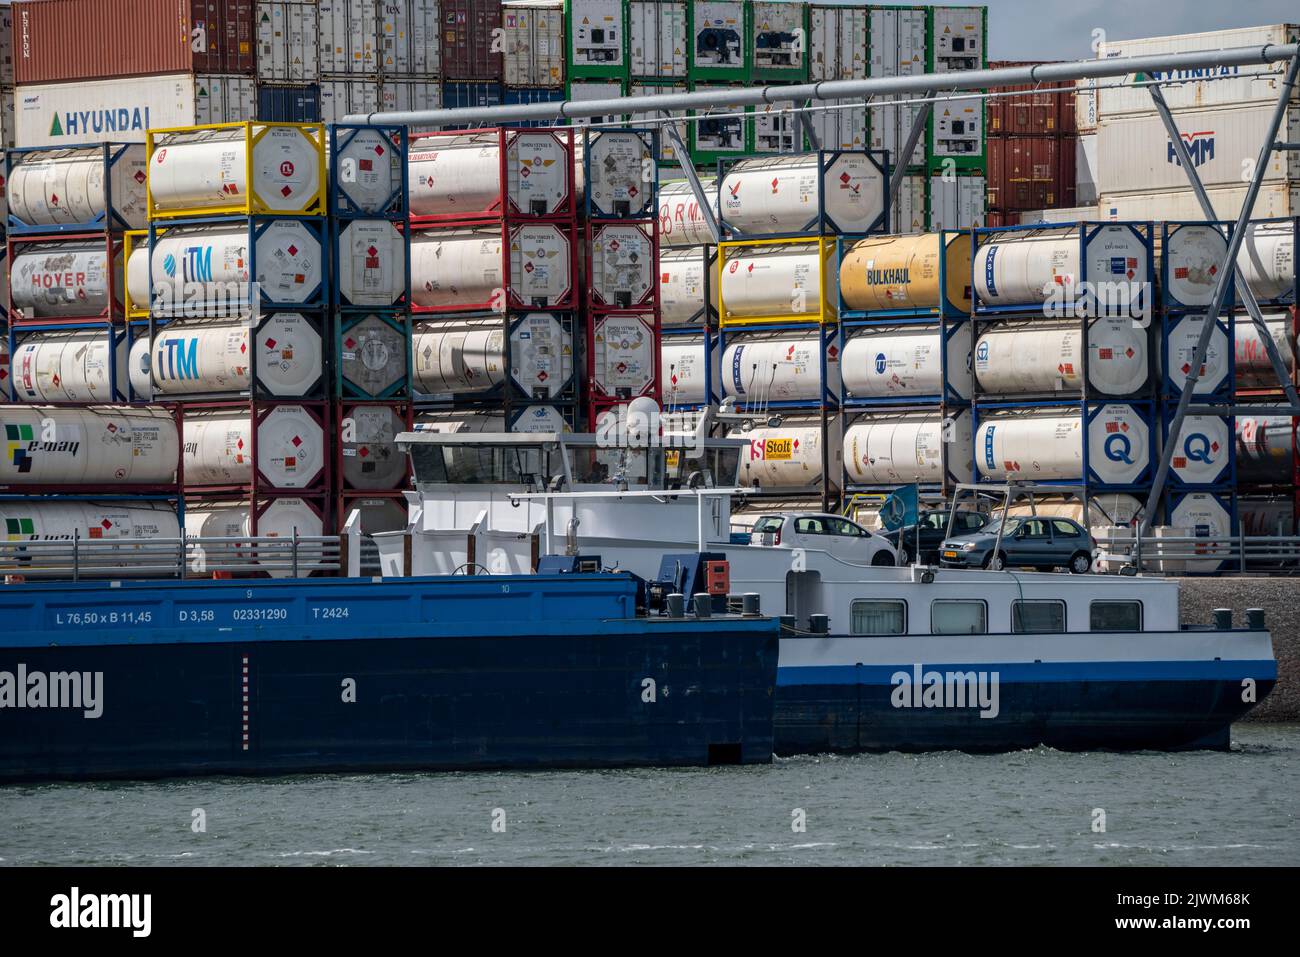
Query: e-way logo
[(83, 123), (946, 689), (1200, 146), (74, 690), (76, 910), (21, 442)]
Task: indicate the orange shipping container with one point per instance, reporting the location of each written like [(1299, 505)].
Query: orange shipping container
[(61, 40)]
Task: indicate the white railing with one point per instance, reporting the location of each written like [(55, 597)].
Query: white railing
[(1187, 554)]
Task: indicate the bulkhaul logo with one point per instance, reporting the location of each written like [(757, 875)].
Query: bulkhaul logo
[(887, 277), (133, 912), (83, 123), (1199, 145)]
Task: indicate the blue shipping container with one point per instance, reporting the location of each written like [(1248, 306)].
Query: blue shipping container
[(288, 104), (533, 94), (459, 95)]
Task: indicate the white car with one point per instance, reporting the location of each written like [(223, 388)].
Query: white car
[(835, 534)]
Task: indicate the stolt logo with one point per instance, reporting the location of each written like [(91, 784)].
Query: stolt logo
[(1200, 146)]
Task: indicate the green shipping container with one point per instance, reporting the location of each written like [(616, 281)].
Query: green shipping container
[(957, 39), (595, 34), (720, 133), (717, 35)]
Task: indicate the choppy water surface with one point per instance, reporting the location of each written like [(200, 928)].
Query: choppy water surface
[(1029, 807)]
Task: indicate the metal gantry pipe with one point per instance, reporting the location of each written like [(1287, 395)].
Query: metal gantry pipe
[(674, 132), (1247, 295), (966, 80), (1220, 291)]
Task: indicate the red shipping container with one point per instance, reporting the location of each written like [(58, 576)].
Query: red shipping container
[(1002, 219), (1031, 172), (60, 40), (469, 29), (1041, 110)]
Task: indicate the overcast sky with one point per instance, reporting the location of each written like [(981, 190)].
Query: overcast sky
[(1060, 30)]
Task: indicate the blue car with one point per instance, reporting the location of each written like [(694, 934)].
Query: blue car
[(1044, 543)]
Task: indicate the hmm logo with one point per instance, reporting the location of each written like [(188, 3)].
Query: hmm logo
[(1199, 145)]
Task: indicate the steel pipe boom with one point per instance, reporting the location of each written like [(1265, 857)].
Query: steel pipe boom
[(936, 83)]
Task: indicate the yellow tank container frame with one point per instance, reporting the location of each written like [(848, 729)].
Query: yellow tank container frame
[(247, 201), (926, 273), (800, 303), (131, 241)]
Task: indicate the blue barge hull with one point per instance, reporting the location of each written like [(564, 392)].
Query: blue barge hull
[(1165, 706), (360, 675)]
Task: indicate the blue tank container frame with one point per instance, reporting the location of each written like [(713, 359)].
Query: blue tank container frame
[(955, 385), (820, 222), (1116, 269), (1212, 515), (109, 221), (742, 387), (1205, 459), (956, 467), (703, 325), (20, 385)]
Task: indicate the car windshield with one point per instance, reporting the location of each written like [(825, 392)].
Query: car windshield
[(768, 523), (1009, 526)]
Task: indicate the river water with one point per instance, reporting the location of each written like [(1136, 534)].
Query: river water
[(1038, 807)]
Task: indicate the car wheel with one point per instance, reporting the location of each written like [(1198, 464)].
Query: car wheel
[(882, 559), (903, 557), (1081, 563), (996, 562)]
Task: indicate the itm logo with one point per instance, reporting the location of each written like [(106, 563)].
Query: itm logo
[(18, 438), (77, 910), (1200, 146), (197, 266)]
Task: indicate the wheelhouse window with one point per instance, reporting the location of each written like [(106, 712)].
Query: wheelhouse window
[(1037, 617), (959, 617), (878, 617), (1115, 616)]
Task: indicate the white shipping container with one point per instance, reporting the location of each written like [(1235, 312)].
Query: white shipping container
[(595, 90), (844, 128), (408, 94), (956, 202), (1134, 153), (8, 139), (908, 214), (957, 128), (1085, 169), (657, 36), (718, 37), (120, 111), (597, 38), (534, 43), (349, 33), (288, 42), (408, 38), (1085, 106), (779, 38), (1278, 200), (838, 43), (340, 98), (957, 38), (776, 131), (1199, 87), (667, 153), (6, 46), (1066, 214), (898, 43)]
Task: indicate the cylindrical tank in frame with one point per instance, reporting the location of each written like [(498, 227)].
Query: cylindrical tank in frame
[(893, 273), (1266, 516), (767, 281), (1030, 268), (1267, 259), (208, 169), (757, 370), (682, 367), (680, 221), (1203, 515), (541, 354), (799, 193), (1038, 357), (902, 449), (368, 441), (788, 456), (686, 280), (70, 367), (1203, 452), (623, 355), (456, 269), (1181, 340), (371, 263), (1193, 256), (203, 270), (901, 361), (460, 358), (107, 529), (620, 171), (1253, 368), (91, 446), (368, 169), (281, 518), (461, 175), (622, 266), (215, 357), (1266, 453), (1050, 447), (64, 187), (377, 514), (219, 447), (376, 354), (65, 280)]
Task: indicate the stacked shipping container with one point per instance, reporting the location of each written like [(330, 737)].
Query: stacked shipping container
[(1032, 143)]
